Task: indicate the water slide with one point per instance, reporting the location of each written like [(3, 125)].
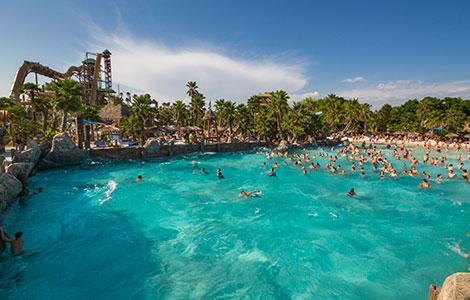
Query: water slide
[(36, 67)]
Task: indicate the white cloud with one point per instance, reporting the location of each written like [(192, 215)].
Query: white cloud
[(352, 80), (397, 92), (154, 68), (300, 97)]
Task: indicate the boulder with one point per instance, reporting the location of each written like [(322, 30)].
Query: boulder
[(10, 188), (283, 146), (30, 155), (456, 287), (63, 151), (45, 148), (31, 144), (152, 147), (17, 169)]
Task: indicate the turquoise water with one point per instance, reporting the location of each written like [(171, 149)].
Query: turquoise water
[(94, 234)]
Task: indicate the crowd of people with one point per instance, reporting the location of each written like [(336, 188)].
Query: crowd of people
[(382, 164)]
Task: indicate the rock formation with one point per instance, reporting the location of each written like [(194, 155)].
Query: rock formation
[(152, 147), (63, 151), (10, 188), (283, 146), (30, 155), (456, 287)]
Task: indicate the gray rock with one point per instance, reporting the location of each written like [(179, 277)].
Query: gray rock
[(22, 168), (152, 147), (63, 151), (45, 148), (31, 144), (30, 155), (456, 287), (10, 188), (283, 145)]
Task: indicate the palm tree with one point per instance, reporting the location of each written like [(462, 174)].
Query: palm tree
[(43, 105), (365, 114), (228, 115), (179, 112), (132, 126), (192, 89), (243, 119), (67, 97), (265, 126), (351, 112), (197, 108), (143, 108), (219, 107), (254, 104), (31, 89), (278, 108), (296, 121)]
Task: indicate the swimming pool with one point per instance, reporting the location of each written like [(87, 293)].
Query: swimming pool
[(179, 234)]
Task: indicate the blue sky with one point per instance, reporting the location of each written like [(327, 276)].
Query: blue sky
[(377, 51)]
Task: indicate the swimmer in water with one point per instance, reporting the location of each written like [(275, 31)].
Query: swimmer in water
[(34, 192), (351, 193), (270, 172), (243, 194), (425, 184), (451, 174), (219, 173), (16, 245), (203, 171), (194, 164), (139, 178)]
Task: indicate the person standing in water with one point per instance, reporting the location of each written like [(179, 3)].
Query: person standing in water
[(16, 245)]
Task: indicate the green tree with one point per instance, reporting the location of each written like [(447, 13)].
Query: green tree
[(197, 109), (145, 110), (31, 89), (132, 126), (219, 107), (254, 105), (228, 115), (179, 112), (192, 89), (243, 120), (278, 108), (66, 98)]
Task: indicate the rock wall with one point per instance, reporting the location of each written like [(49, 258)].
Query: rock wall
[(10, 188), (153, 150)]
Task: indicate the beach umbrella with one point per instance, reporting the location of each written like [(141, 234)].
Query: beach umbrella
[(452, 135), (467, 136)]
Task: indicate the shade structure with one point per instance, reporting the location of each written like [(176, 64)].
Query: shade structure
[(452, 135), (115, 113), (191, 128), (107, 129), (209, 115)]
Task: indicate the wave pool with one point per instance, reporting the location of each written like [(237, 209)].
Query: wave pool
[(179, 234)]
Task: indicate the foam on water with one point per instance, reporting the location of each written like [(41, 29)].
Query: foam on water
[(107, 195), (179, 234)]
